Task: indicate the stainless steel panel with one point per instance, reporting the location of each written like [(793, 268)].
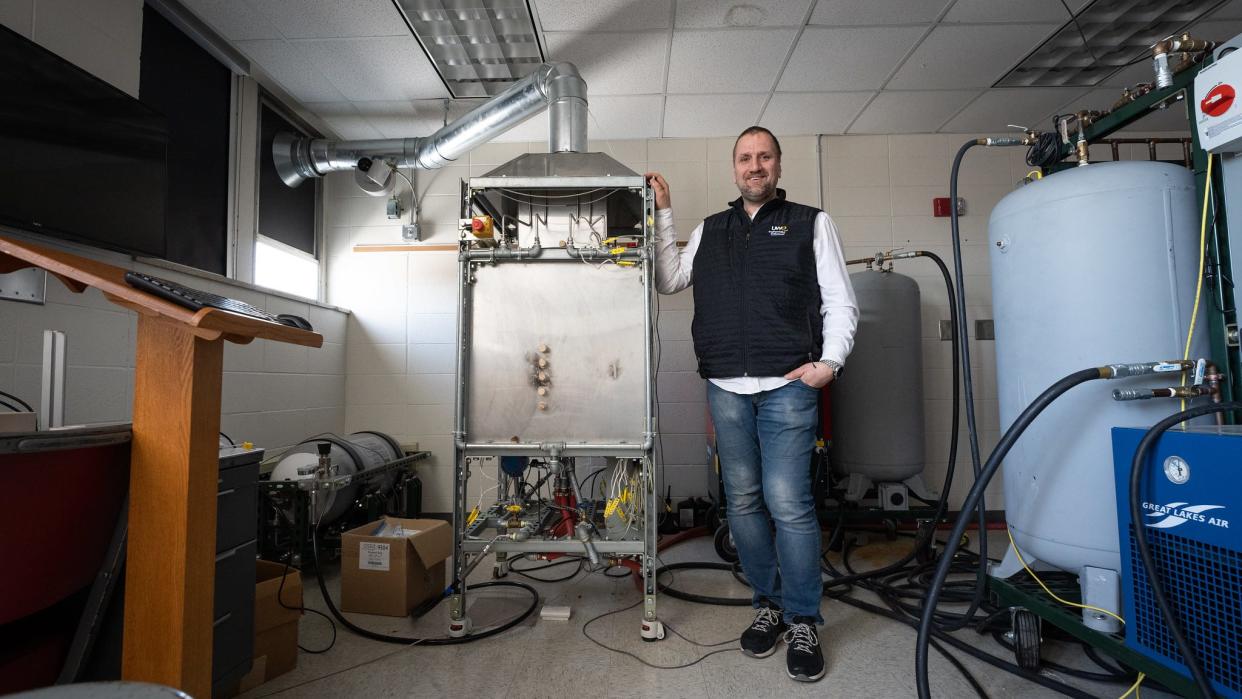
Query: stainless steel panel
[(590, 319)]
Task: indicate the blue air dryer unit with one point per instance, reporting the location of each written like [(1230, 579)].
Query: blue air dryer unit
[(1191, 501)]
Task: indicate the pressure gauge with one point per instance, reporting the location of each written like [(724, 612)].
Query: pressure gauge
[(1176, 469)]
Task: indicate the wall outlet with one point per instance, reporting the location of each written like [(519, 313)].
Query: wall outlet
[(410, 231)]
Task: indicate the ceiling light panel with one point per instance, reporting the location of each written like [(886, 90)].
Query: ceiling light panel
[(1116, 33), (479, 47)]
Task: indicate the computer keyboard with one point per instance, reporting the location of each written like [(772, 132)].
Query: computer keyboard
[(193, 299)]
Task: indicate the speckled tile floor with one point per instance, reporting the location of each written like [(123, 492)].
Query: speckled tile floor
[(867, 655)]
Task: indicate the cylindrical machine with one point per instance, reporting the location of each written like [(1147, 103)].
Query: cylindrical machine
[(1090, 266), (877, 404), (355, 453)]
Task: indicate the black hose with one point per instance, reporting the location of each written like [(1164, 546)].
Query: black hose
[(973, 498), (986, 657), (1140, 536), (700, 599), (20, 402), (441, 641), (943, 503)]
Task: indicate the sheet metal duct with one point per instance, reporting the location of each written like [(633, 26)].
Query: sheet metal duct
[(555, 86)]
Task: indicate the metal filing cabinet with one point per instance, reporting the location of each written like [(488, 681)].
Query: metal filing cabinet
[(233, 638)]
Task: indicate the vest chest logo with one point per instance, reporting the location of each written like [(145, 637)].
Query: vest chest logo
[(776, 231)]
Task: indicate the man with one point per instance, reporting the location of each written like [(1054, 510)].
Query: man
[(774, 319)]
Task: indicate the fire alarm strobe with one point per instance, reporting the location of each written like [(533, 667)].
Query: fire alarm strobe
[(1218, 112)]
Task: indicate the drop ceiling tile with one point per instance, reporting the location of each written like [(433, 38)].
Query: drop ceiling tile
[(855, 12), (1230, 10), (968, 56), (910, 112), (1013, 11), (1126, 77), (234, 20), (713, 14), (706, 116), (410, 118), (627, 63), (1024, 106), (859, 58), (624, 116), (344, 119), (1218, 30), (602, 15), (322, 19), (734, 61), (382, 68), (290, 66), (791, 113)]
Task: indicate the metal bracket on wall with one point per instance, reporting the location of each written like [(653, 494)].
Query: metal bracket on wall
[(946, 330), (985, 330), (27, 285)]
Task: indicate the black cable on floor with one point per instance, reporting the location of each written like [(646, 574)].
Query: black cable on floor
[(696, 661), (526, 572), (438, 641), (280, 598)]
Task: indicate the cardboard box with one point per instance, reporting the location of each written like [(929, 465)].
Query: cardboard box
[(389, 571), (275, 626)]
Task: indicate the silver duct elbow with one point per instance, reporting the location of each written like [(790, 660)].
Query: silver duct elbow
[(554, 86)]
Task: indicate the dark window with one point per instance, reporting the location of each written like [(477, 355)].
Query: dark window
[(286, 214), (193, 90)]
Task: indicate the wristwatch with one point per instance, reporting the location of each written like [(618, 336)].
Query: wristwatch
[(837, 367)]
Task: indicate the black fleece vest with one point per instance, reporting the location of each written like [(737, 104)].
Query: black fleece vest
[(756, 291)]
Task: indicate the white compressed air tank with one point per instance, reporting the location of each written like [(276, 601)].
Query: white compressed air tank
[(1090, 266), (877, 404)]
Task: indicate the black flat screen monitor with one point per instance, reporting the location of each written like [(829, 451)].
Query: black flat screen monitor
[(79, 159)]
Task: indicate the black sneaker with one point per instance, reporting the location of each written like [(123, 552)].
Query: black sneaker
[(804, 661), (759, 640)]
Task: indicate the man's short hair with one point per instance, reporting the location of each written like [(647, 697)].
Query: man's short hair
[(754, 130)]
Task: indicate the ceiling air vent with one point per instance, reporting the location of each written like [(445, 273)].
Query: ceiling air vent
[(1103, 38), (479, 47)]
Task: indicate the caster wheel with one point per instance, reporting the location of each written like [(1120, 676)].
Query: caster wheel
[(653, 631), (1026, 639), (890, 530), (724, 544)]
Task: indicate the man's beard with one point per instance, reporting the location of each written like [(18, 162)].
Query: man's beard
[(759, 194)]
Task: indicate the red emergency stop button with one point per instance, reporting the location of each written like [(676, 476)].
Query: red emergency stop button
[(477, 224), (1218, 100)]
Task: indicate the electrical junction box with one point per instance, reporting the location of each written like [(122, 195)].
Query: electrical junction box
[(1217, 105), (1191, 507)]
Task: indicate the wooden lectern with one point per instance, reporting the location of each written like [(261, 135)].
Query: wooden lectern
[(173, 470)]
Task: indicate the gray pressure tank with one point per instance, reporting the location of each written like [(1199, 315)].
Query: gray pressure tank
[(355, 453), (1090, 266), (877, 404)]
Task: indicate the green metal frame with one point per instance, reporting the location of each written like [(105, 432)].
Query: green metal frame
[(1023, 592), (1219, 301)]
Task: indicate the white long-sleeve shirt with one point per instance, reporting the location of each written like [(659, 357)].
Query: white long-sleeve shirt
[(837, 303)]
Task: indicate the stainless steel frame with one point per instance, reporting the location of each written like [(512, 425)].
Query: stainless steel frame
[(580, 437)]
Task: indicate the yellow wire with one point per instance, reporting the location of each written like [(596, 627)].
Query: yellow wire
[(1134, 688), (1194, 314), (1035, 174), (1052, 594)]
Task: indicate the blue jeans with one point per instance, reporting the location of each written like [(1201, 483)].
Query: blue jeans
[(765, 442)]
